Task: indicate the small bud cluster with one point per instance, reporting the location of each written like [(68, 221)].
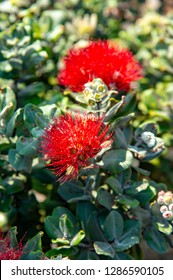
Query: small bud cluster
[(165, 199), (95, 91), (149, 139)]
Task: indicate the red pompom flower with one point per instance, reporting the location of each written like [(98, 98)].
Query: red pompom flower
[(71, 141), (7, 252), (117, 67)]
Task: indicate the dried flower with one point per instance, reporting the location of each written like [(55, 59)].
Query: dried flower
[(116, 66), (7, 252), (71, 141)]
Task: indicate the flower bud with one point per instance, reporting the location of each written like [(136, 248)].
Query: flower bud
[(160, 200), (163, 209), (95, 90), (170, 207), (161, 193), (168, 215), (149, 139), (168, 199)]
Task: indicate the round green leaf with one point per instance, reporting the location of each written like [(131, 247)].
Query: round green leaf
[(113, 225), (117, 161), (104, 248)]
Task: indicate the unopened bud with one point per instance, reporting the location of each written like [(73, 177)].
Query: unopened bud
[(160, 200), (168, 215), (100, 88), (161, 193), (168, 199), (170, 207), (163, 209), (149, 139)]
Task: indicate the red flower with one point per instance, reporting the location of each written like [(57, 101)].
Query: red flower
[(71, 141), (117, 67), (7, 252)]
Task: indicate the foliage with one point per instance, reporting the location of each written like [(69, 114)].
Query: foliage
[(154, 50), (112, 208)]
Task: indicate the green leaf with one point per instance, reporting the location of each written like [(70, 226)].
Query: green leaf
[(41, 120), (77, 238), (105, 199), (112, 112), (126, 243), (127, 201), (37, 132), (65, 226), (34, 60), (104, 248), (114, 184), (32, 89), (65, 251), (27, 146), (120, 141), (72, 192), (19, 162), (130, 235), (7, 107), (145, 196), (129, 106), (117, 161), (14, 121), (13, 185), (143, 215), (123, 121), (52, 227), (33, 244), (84, 210), (16, 63), (7, 97), (36, 255), (30, 112), (155, 240), (50, 111), (86, 255), (61, 224), (61, 241), (11, 236), (136, 187), (164, 226), (113, 225), (123, 256), (94, 230), (52, 253), (57, 16), (59, 211), (131, 228)]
